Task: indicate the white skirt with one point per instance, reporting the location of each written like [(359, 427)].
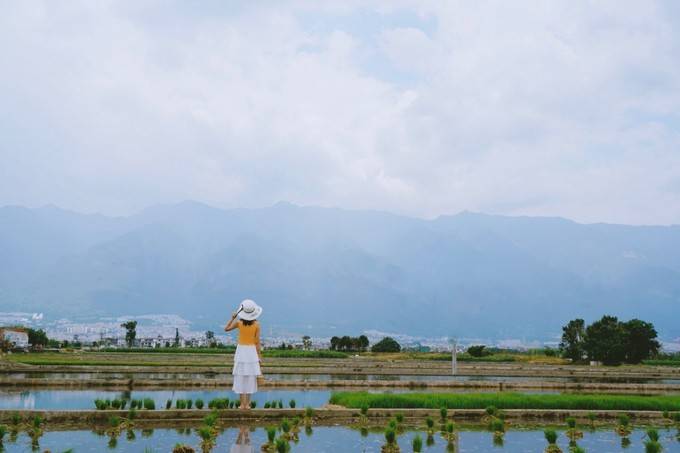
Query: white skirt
[(246, 369)]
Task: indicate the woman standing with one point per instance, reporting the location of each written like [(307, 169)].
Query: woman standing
[(248, 356)]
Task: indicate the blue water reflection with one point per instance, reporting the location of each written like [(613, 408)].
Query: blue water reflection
[(332, 440)]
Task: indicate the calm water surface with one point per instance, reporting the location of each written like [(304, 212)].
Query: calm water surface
[(330, 440)]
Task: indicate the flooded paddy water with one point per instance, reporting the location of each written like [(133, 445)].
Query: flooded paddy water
[(332, 439), (330, 377)]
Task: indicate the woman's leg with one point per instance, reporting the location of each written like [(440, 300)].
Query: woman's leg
[(243, 396)]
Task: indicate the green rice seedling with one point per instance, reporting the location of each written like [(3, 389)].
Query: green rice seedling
[(508, 400), (497, 426), (115, 403), (592, 416), (392, 424), (189, 403), (550, 436), (3, 432), (292, 404), (491, 411), (652, 447), (280, 404), (443, 412), (37, 421), (364, 409), (253, 404), (16, 418), (624, 420), (429, 440), (199, 403), (133, 404), (653, 435), (114, 421), (132, 414), (666, 414), (179, 404), (149, 404), (577, 449), (107, 402), (205, 433), (390, 436), (210, 419), (417, 443), (168, 404), (282, 446), (285, 426), (572, 432), (123, 404), (267, 405), (271, 434), (309, 412), (676, 417), (400, 418), (429, 422)]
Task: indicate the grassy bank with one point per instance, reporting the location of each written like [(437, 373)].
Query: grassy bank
[(506, 401), (296, 353), (225, 350), (661, 362)]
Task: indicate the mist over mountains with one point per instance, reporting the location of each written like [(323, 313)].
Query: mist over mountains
[(467, 274)]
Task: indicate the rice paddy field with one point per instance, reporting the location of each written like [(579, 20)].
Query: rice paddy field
[(57, 401)]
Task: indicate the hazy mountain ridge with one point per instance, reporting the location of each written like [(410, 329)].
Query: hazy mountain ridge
[(472, 274)]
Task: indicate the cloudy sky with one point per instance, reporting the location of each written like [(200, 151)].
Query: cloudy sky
[(568, 108)]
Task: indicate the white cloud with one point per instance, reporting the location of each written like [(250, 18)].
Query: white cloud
[(557, 108)]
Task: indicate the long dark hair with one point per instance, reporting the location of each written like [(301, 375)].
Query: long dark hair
[(247, 322)]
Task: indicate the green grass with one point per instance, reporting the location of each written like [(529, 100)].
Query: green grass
[(662, 362), (506, 401), (296, 353), (225, 350)]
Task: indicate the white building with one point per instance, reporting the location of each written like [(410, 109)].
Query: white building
[(18, 338)]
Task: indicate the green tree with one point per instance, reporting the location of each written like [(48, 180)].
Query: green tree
[(387, 344), (605, 341), (478, 351), (571, 345), (130, 332), (363, 342), (176, 344), (307, 342), (37, 337), (640, 341), (210, 338), (335, 341)]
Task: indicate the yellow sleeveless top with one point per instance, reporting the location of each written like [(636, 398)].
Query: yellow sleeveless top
[(247, 335)]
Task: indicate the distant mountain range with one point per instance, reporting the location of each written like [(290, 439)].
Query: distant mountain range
[(467, 274)]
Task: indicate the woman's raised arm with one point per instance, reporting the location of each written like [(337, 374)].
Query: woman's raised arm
[(232, 324)]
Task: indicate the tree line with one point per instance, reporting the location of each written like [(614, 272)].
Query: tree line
[(609, 341)]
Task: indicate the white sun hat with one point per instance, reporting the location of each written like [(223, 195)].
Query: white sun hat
[(249, 310)]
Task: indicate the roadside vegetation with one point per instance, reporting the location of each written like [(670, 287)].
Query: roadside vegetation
[(506, 401)]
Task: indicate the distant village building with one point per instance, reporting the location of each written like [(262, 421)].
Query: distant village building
[(15, 336)]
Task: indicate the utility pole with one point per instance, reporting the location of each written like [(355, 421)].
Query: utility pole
[(454, 359)]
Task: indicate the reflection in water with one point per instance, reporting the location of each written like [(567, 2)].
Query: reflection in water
[(242, 444)]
